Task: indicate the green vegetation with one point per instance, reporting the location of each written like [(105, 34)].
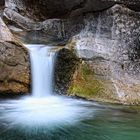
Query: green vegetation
[(86, 85), (83, 84)]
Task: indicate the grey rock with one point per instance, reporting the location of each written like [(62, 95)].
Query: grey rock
[(114, 43), (43, 9)]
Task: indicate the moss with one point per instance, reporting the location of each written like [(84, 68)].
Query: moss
[(86, 71), (1, 65), (85, 89), (133, 108), (65, 67), (85, 84)]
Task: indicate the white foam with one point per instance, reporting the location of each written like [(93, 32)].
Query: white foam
[(48, 112)]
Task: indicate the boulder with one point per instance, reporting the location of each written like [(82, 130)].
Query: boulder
[(52, 31)]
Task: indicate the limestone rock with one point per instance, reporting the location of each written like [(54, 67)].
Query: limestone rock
[(63, 8), (14, 63), (112, 50), (5, 34), (53, 31), (32, 17), (65, 67), (43, 9)]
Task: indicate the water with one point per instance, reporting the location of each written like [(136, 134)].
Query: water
[(45, 116), (66, 119), (42, 63)]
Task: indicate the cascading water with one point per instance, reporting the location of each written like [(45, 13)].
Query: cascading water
[(43, 107), (42, 63)]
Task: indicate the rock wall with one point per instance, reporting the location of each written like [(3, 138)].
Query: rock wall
[(65, 66), (110, 47), (46, 9), (14, 64), (43, 9)]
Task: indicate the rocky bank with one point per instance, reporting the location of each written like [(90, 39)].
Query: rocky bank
[(14, 63)]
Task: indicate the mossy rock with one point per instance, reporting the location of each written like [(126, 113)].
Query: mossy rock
[(86, 84), (65, 67)]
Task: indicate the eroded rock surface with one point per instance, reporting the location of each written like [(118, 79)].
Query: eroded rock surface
[(44, 9), (14, 63), (112, 52), (51, 21), (65, 66)]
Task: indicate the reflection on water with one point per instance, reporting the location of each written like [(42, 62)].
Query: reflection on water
[(61, 118)]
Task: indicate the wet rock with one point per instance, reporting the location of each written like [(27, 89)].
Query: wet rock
[(14, 63), (88, 85), (65, 66)]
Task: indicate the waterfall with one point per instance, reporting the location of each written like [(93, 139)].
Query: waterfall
[(43, 109), (42, 63)]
